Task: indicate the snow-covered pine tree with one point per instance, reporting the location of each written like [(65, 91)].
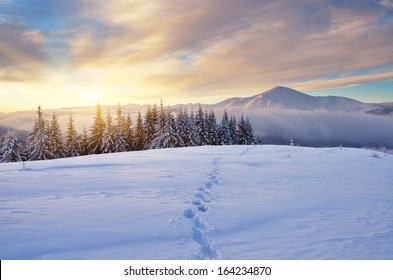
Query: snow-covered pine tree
[(159, 137), (55, 138), (170, 137), (200, 127), (241, 131), (108, 142), (250, 138), (224, 133), (232, 131), (192, 130), (130, 136), (84, 143), (150, 124), (139, 133), (211, 128), (37, 142), (72, 145), (97, 132), (120, 133), (11, 148), (182, 128)]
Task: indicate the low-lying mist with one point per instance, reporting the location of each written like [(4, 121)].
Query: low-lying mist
[(273, 126)]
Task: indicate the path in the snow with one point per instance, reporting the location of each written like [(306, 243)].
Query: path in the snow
[(199, 209)]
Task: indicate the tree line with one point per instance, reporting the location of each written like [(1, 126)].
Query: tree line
[(159, 128)]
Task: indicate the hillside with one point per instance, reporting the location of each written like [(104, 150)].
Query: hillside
[(230, 202), (287, 98)]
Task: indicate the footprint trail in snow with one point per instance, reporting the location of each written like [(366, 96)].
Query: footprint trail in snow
[(197, 212)]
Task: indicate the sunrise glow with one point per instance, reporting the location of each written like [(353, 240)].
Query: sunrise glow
[(72, 53)]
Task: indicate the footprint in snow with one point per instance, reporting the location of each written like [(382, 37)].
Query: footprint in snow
[(196, 202), (199, 223), (189, 213), (202, 208)]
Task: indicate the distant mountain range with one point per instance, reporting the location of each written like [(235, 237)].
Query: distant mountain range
[(278, 114), (287, 98)]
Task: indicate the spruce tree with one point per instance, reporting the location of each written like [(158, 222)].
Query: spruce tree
[(130, 135), (211, 128), (120, 132), (97, 133), (233, 139), (108, 142), (192, 134), (11, 148), (245, 132), (85, 143), (250, 138), (150, 124), (159, 137), (139, 133), (170, 138), (200, 127), (55, 138), (224, 130), (38, 146), (72, 146), (182, 128)]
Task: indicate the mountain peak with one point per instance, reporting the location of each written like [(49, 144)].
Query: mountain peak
[(281, 97)]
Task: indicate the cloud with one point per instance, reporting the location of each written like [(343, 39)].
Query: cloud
[(22, 53), (200, 50), (323, 128), (344, 82), (216, 46), (387, 4)]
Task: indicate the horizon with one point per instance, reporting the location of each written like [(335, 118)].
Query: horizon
[(177, 104), (76, 53)]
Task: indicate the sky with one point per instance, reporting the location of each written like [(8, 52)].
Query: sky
[(78, 52)]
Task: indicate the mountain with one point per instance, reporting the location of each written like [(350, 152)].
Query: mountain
[(287, 98), (20, 134)]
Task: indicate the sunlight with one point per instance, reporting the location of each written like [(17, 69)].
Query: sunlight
[(91, 96)]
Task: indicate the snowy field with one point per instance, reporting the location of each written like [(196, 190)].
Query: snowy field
[(233, 202)]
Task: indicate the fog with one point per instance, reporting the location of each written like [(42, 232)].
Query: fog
[(274, 126), (321, 128)]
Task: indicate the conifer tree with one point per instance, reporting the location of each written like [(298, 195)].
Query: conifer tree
[(72, 147), (232, 131), (224, 131), (11, 148), (108, 142), (84, 143), (130, 136), (159, 137), (250, 138), (120, 133), (211, 128), (182, 128), (245, 132), (97, 132), (150, 124), (55, 138), (170, 138), (192, 135), (139, 133), (200, 127), (38, 146)]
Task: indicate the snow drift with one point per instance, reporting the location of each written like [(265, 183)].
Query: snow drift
[(231, 202)]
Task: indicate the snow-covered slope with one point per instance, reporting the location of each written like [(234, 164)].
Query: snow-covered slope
[(287, 98), (233, 202)]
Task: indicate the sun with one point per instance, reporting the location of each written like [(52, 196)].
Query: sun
[(91, 96)]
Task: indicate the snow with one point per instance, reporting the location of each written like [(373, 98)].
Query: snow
[(230, 202)]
